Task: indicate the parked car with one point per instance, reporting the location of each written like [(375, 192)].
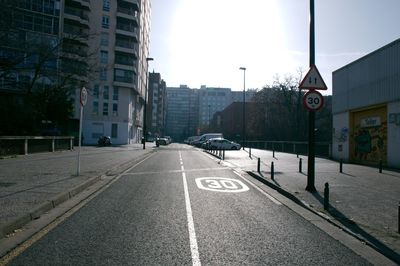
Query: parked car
[(203, 138), (162, 141), (223, 144), (104, 141)]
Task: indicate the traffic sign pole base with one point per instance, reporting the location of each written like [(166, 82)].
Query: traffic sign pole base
[(311, 189)]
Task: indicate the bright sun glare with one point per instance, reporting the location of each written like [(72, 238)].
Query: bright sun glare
[(211, 39)]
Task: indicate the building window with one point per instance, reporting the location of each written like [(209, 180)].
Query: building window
[(106, 5), (115, 109), (105, 23), (103, 74), (106, 93), (105, 109), (96, 91), (103, 57), (104, 39), (115, 94), (114, 131), (95, 108)]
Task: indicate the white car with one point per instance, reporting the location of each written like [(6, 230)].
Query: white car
[(223, 144)]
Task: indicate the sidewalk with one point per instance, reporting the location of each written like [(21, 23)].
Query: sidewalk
[(362, 200), (33, 184)]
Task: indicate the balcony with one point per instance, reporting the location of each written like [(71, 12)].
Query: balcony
[(84, 4), (74, 14), (127, 30), (129, 3)]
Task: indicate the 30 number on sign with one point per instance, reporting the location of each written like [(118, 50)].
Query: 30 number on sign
[(313, 100)]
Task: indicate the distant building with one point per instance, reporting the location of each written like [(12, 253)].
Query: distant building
[(190, 111), (182, 112), (156, 106), (230, 121), (366, 108)]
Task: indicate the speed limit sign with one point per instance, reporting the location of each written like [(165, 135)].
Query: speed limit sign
[(313, 100)]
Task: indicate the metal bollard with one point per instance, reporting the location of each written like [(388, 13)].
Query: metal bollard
[(272, 171), (258, 164), (250, 152), (380, 166), (326, 196), (341, 166), (300, 165), (223, 154)]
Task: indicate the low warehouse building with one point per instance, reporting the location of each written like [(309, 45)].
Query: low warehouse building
[(366, 108)]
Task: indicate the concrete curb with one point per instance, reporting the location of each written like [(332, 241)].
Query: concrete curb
[(19, 222), (329, 219)]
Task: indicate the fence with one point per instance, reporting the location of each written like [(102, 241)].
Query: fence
[(13, 145), (323, 149)]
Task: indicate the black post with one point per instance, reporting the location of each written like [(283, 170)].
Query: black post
[(398, 222), (311, 115), (258, 164), (250, 152), (326, 196), (341, 166), (223, 154), (380, 166), (272, 171), (273, 153), (300, 165)]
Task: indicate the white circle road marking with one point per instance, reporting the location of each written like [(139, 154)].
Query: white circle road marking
[(221, 184)]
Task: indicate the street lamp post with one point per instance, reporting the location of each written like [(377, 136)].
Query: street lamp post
[(145, 102), (244, 103)]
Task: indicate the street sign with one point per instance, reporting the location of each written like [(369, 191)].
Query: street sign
[(313, 100), (313, 80), (83, 97)]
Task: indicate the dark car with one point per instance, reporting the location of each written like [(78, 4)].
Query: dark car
[(104, 141)]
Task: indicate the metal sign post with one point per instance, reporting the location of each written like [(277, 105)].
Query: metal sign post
[(83, 100)]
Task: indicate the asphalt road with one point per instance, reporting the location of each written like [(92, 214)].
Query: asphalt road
[(180, 207)]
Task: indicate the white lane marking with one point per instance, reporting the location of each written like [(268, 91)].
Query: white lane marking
[(221, 184), (259, 189), (182, 168), (192, 234)]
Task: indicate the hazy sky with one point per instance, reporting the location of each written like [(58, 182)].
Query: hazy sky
[(204, 42)]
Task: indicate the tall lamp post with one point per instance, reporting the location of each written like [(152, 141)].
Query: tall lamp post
[(145, 103), (244, 103)]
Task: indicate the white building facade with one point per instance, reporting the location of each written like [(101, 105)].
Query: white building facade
[(366, 108), (119, 48)]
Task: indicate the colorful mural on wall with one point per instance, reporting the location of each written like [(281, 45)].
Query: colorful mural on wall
[(369, 142)]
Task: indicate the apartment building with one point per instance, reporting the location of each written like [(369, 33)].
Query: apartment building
[(190, 111), (119, 43), (102, 45), (156, 106), (182, 112)]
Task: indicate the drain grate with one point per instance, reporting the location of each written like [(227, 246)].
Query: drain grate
[(6, 184)]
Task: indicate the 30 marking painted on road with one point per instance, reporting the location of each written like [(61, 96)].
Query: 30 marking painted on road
[(221, 184)]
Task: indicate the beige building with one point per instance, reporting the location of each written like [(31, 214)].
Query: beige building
[(118, 46)]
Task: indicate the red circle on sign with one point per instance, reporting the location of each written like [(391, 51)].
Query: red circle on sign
[(313, 100)]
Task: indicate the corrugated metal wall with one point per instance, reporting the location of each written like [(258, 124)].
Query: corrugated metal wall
[(372, 79)]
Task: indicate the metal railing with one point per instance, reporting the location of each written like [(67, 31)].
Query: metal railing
[(14, 145), (323, 149)]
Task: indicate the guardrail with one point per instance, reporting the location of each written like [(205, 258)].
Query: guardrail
[(323, 149), (13, 145)]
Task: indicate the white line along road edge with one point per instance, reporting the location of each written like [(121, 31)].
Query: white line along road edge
[(192, 234)]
